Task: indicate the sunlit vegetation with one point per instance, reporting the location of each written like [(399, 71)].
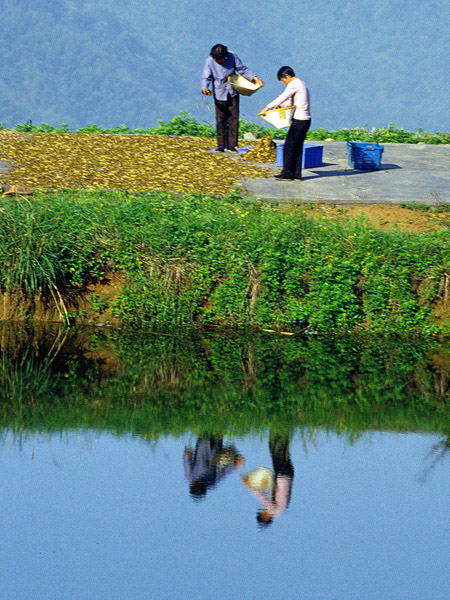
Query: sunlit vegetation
[(202, 260), (184, 124)]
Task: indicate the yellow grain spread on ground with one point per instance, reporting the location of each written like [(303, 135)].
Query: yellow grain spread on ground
[(263, 151), (127, 162)]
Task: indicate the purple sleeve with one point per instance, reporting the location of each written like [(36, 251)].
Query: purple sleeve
[(206, 75), (242, 69), (187, 466)]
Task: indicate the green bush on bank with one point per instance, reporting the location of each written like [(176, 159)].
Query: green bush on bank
[(184, 124), (224, 261)]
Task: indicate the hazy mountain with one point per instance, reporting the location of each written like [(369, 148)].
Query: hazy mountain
[(134, 61), (76, 63), (365, 62)]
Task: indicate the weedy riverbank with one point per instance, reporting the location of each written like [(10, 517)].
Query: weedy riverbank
[(159, 260)]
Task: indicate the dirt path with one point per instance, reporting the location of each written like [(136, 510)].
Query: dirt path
[(414, 219)]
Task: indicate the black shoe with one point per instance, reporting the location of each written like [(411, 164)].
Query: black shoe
[(232, 150), (298, 178), (282, 177), (219, 150)]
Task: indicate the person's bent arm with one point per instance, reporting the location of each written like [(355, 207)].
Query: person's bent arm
[(288, 94), (206, 79), (245, 71)]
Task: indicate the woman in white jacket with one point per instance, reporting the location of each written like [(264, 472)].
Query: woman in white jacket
[(296, 94)]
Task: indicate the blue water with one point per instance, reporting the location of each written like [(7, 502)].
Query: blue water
[(88, 515)]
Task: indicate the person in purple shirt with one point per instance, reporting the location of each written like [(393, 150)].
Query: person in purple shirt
[(220, 64), (208, 464)]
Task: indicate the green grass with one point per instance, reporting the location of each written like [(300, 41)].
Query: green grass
[(425, 207), (32, 253), (222, 261), (184, 124)]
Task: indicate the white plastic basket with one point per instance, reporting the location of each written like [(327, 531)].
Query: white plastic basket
[(242, 85), (260, 479), (279, 117)]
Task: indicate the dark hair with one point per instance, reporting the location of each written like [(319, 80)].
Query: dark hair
[(219, 51), (285, 71), (263, 519), (198, 489)]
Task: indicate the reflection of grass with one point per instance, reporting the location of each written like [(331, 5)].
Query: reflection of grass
[(27, 380), (220, 384), (38, 368)]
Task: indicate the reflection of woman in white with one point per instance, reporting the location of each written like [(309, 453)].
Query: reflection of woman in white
[(275, 503)]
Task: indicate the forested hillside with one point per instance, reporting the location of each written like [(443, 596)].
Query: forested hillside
[(137, 61), (365, 62), (72, 62)]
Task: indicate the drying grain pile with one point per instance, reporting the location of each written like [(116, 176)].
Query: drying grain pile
[(128, 162), (263, 151)]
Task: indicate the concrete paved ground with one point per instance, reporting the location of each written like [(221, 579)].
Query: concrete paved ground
[(412, 173)]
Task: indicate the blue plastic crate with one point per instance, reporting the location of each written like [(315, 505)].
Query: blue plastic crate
[(312, 155), (364, 156)]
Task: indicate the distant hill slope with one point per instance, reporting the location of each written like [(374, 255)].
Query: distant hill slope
[(72, 62), (365, 62), (137, 61)]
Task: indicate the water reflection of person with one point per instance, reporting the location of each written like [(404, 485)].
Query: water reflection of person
[(277, 502), (209, 463)]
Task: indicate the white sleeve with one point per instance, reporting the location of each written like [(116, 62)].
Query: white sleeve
[(288, 94)]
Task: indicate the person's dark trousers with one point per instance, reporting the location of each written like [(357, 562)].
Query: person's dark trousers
[(293, 148), (227, 122), (279, 451)]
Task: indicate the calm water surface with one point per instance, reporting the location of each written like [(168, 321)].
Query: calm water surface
[(92, 515)]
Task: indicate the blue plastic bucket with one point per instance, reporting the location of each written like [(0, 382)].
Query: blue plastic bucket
[(312, 156), (279, 155), (364, 156)]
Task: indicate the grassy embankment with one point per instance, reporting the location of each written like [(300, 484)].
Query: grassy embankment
[(200, 259), (223, 261)]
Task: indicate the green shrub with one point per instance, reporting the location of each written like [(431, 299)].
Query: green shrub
[(183, 124), (42, 128)]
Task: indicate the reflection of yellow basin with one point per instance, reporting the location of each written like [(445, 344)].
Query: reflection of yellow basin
[(279, 117), (227, 456), (260, 479), (243, 86)]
